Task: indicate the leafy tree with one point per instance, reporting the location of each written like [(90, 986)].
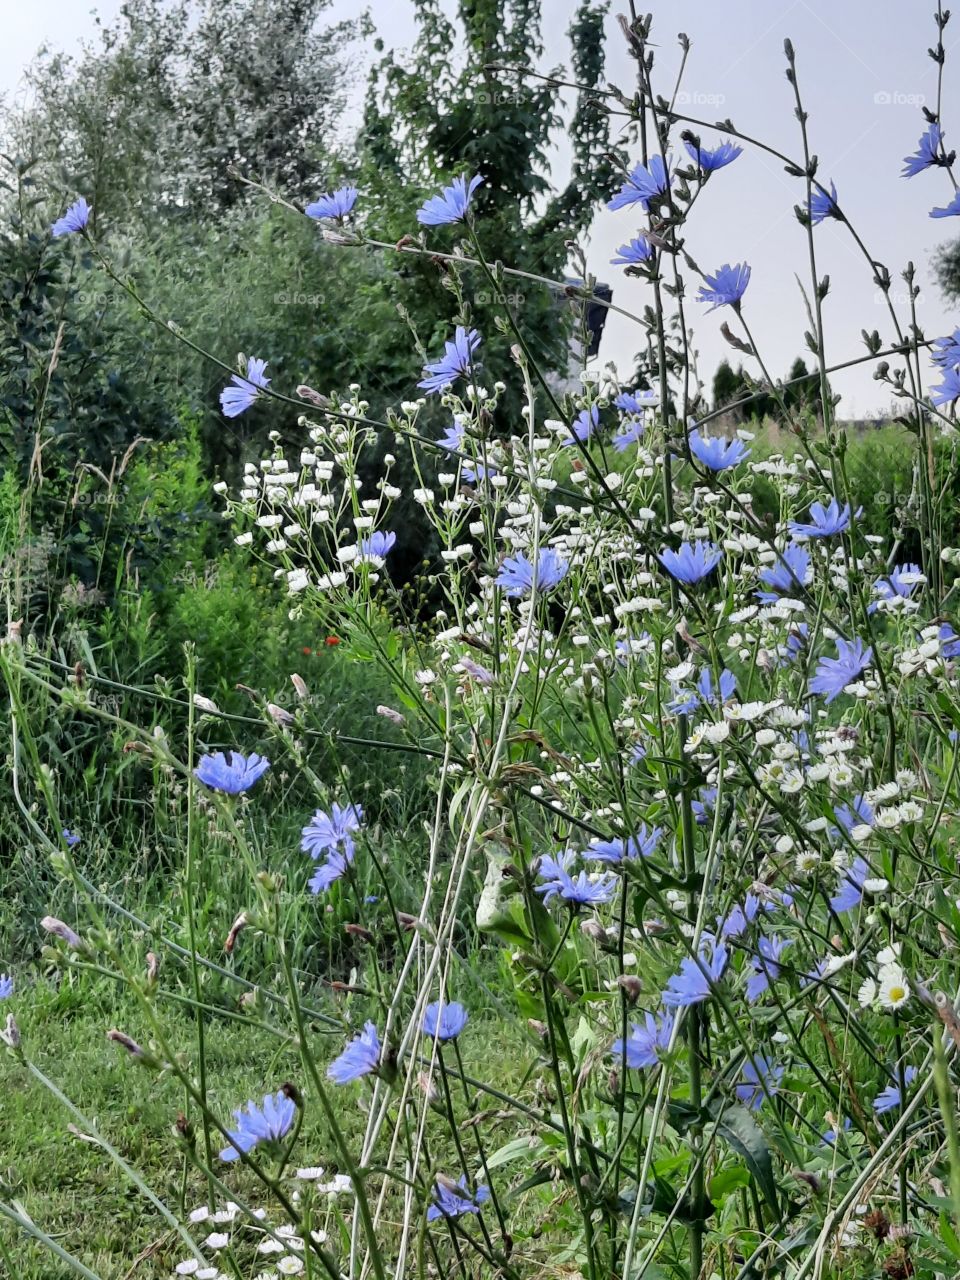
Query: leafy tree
[(464, 104)]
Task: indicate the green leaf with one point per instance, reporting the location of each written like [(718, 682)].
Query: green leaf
[(948, 1235), (737, 1127), (727, 1181)]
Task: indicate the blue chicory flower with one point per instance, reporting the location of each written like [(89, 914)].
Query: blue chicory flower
[(900, 583), (740, 917), (71, 839), (691, 564), (238, 398), (644, 1044), (830, 1137), (443, 1020), (451, 206), (788, 575), (716, 453), (269, 1122), (333, 830), (834, 674), (948, 390), (824, 205), (726, 286), (694, 983), (704, 806), (761, 1079), (376, 548), (951, 210), (230, 772), (517, 573), (857, 813), (75, 219), (825, 522), (632, 433), (618, 849), (634, 252), (765, 967), (6, 986), (334, 868), (945, 352), (850, 893), (335, 205), (926, 154), (637, 401), (359, 1058), (889, 1098), (452, 1201), (583, 427), (709, 160), (456, 361), (644, 184)]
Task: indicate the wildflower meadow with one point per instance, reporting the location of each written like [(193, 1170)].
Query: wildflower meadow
[(530, 847)]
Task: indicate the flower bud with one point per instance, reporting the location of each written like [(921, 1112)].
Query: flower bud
[(300, 685), (61, 930), (238, 925), (631, 986)]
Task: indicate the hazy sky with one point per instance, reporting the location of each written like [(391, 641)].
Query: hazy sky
[(864, 74)]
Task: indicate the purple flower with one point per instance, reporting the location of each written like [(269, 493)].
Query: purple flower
[(518, 577), (584, 425), (830, 1137), (330, 871), (645, 1043), (632, 433), (443, 1021), (950, 210), (949, 641), (454, 1201), (791, 572), (636, 401), (726, 287), (269, 1122), (335, 205), (643, 185), (238, 398), (825, 522), (230, 772), (642, 845), (359, 1058), (948, 390), (75, 219), (765, 967), (859, 813), (900, 582), (761, 1079), (926, 154), (580, 890), (70, 838), (688, 702), (333, 830), (739, 918), (711, 160), (374, 550), (453, 442), (6, 986), (693, 984), (457, 360), (945, 352), (635, 251), (691, 564), (834, 674), (796, 641), (716, 453), (889, 1097), (850, 893), (703, 807), (823, 205), (451, 206)]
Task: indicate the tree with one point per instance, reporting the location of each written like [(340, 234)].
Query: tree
[(479, 112)]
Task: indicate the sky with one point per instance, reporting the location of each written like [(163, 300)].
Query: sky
[(864, 75)]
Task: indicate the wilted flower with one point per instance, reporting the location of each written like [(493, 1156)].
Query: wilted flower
[(63, 931)]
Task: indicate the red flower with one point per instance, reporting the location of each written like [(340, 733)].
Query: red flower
[(307, 650), (331, 641)]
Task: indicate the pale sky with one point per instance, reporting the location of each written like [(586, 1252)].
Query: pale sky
[(864, 74)]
